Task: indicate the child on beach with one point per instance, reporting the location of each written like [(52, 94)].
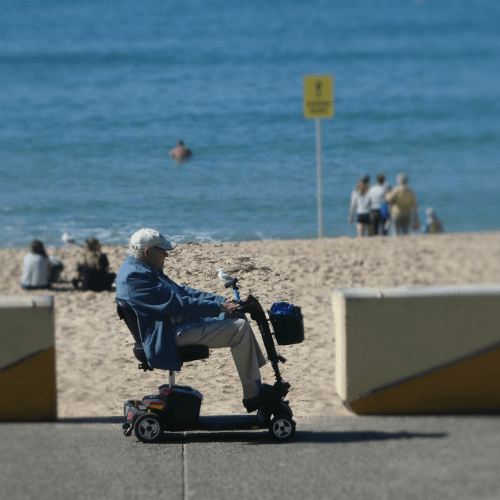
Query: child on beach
[(433, 224)]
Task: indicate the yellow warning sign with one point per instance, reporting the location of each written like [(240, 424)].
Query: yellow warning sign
[(318, 96)]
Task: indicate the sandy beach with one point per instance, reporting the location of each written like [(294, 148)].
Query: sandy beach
[(96, 369)]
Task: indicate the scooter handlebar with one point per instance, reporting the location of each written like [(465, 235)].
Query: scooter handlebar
[(244, 308), (232, 283)]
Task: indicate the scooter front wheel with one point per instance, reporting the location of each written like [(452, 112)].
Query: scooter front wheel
[(148, 428), (282, 427)]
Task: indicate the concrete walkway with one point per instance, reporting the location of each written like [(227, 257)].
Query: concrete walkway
[(332, 458)]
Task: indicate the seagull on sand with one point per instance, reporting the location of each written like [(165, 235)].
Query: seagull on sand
[(68, 240), (223, 276)]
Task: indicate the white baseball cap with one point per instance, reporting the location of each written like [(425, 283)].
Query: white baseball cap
[(148, 238)]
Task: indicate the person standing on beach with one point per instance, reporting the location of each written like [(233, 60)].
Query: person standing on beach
[(377, 199), (404, 207), (361, 205), (171, 315), (180, 153)]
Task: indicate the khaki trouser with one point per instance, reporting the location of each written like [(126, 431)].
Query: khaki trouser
[(238, 335)]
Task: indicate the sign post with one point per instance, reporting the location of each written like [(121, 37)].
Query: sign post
[(318, 103)]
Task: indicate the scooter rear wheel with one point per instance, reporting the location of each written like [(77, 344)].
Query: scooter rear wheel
[(282, 428), (148, 428)]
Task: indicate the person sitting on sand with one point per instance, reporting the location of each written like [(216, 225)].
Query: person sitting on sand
[(404, 207), (40, 270), (180, 152), (171, 315), (92, 273)]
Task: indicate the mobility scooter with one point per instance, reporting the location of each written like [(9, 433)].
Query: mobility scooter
[(177, 408)]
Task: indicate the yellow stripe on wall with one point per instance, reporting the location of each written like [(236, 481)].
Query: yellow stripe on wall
[(28, 389), (468, 386)]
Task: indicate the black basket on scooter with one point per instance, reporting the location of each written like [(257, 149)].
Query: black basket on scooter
[(288, 324)]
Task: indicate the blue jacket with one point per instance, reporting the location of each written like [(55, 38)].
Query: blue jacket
[(154, 298)]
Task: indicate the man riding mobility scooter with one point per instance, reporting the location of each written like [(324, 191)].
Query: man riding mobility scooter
[(177, 408)]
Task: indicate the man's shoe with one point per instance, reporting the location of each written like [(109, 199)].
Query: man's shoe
[(266, 394)]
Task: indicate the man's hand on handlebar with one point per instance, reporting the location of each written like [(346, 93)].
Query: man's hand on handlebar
[(229, 307)]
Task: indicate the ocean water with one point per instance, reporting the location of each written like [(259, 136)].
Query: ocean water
[(94, 94)]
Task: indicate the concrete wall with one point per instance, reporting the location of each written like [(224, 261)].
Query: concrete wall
[(418, 350), (27, 359)]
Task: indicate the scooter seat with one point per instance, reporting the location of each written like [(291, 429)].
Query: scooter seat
[(193, 352), (186, 353)]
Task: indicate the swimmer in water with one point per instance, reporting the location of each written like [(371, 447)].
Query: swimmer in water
[(180, 152)]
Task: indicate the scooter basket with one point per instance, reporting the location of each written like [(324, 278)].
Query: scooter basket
[(288, 323)]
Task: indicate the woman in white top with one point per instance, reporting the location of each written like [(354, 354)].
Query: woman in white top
[(37, 268), (361, 204), (377, 198)]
